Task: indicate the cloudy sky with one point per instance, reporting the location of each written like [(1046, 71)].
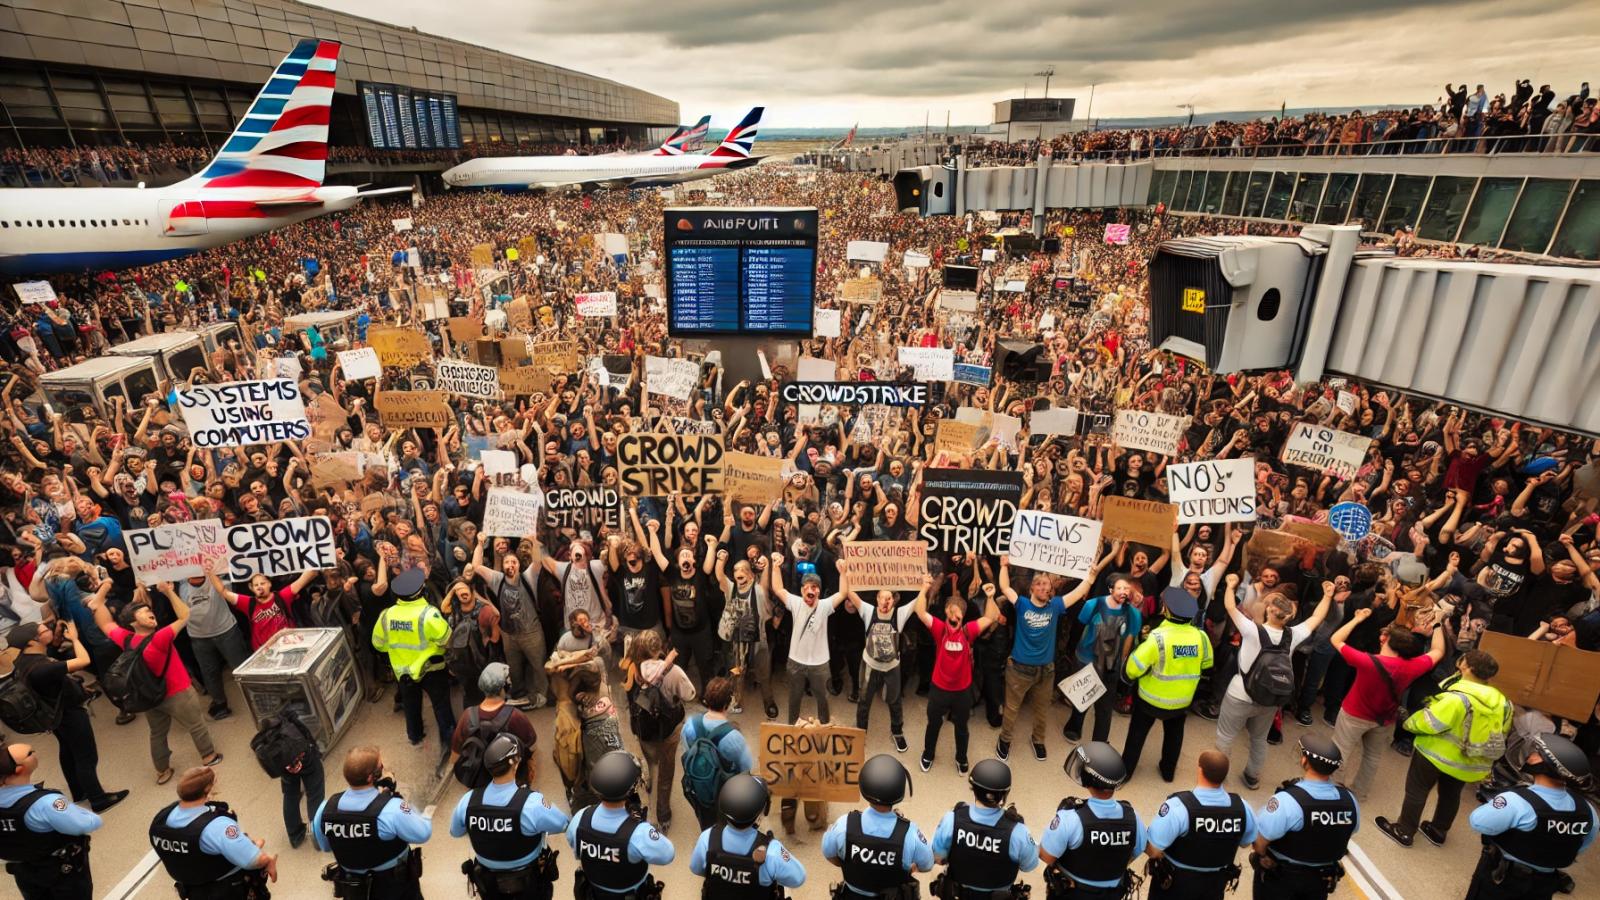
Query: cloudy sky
[(890, 62)]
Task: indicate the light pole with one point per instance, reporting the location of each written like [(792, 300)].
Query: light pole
[(1046, 72), (1190, 108), (1089, 116)]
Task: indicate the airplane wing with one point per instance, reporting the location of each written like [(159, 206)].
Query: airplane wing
[(406, 189)]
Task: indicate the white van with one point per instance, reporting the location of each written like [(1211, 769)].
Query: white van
[(93, 383), (333, 324), (175, 353), (216, 335)]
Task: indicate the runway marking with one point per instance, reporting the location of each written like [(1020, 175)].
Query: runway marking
[(1368, 878), (136, 879)]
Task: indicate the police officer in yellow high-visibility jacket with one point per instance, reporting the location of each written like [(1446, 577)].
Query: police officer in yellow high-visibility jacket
[(1166, 667), (414, 635)]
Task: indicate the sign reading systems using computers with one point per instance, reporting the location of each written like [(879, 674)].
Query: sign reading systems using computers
[(740, 271)]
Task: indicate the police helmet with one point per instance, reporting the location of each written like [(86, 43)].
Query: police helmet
[(990, 781), (743, 800), (1096, 765), (1558, 758), (615, 776), (503, 753), (884, 781), (1321, 752)]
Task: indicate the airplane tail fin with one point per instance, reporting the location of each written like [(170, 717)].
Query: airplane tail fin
[(742, 138), (282, 141), (849, 137), (686, 139), (669, 147)]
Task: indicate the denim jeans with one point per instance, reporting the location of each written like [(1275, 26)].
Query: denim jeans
[(890, 682), (217, 656), (309, 782), (816, 676), (1317, 662), (525, 656)]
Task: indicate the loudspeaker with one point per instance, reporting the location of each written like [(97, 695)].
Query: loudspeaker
[(1021, 361)]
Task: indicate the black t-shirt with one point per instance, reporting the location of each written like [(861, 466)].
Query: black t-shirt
[(48, 678), (636, 596), (690, 600), (1545, 598)]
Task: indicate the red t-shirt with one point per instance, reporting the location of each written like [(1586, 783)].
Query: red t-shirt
[(268, 618), (1369, 697), (952, 659), (158, 655)]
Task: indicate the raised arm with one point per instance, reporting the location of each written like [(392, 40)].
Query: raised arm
[(921, 608), (1006, 589)]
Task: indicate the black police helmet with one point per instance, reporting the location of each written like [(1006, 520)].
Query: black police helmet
[(615, 776), (743, 799), (1321, 752), (504, 752), (1096, 765), (1558, 758), (884, 781), (991, 781)]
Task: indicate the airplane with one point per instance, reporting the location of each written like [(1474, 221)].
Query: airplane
[(685, 140), (847, 140), (267, 175), (521, 173)]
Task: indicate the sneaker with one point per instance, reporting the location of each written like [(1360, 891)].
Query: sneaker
[(1072, 734), (213, 762), (855, 695), (1250, 781), (124, 718), (1303, 717), (520, 703), (107, 800), (1038, 752), (834, 688), (539, 701), (735, 709), (1275, 736), (296, 839), (961, 768), (218, 713), (1206, 711), (1434, 835), (772, 710), (1393, 831), (1002, 750), (926, 763), (899, 743)]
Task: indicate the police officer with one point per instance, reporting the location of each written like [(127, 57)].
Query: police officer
[(1196, 835), (507, 824), (1532, 832), (370, 830), (1090, 843), (985, 844), (205, 851), (614, 844), (1166, 669), (737, 861), (43, 838), (877, 848), (414, 633), (1302, 832)]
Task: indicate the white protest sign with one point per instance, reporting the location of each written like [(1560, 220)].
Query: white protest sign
[(287, 367), (930, 363), (1156, 432), (1082, 688), (466, 379), (597, 304), (1053, 421), (916, 260), (810, 368), (1064, 545), (242, 413), (991, 254), (280, 547), (1338, 453), (613, 243), (675, 378), (827, 323), (868, 251), (1215, 490), (34, 291), (401, 225), (499, 467), (1347, 403), (180, 550), (1047, 321), (359, 364), (508, 512), (1005, 429), (1015, 286), (959, 301)]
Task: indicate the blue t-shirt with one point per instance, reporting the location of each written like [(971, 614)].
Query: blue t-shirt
[(1091, 614), (1033, 641)]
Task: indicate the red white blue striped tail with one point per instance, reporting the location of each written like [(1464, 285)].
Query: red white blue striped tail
[(742, 139), (282, 141)]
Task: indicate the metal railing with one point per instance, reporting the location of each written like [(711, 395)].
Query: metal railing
[(1557, 144)]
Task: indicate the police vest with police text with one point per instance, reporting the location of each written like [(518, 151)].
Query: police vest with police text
[(735, 876), (981, 854), (353, 834), (179, 847), (603, 855), (1107, 846), (1556, 837), (496, 831), (1325, 830), (871, 863), (1212, 840), (21, 844)]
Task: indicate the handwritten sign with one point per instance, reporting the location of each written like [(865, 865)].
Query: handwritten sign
[(752, 478), (1138, 521), (177, 551), (583, 508), (929, 363), (557, 356), (1215, 490), (656, 465), (280, 547), (466, 379), (597, 304), (400, 347), (1337, 453), (508, 512), (887, 565), (675, 378), (827, 323), (1064, 545), (1117, 234), (1156, 432), (862, 290), (1082, 688), (958, 301), (34, 291), (956, 437), (969, 511), (242, 413), (360, 363), (525, 381), (812, 762), (412, 409)]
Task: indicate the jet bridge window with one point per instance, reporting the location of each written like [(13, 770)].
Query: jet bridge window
[(1580, 229), (1536, 215)]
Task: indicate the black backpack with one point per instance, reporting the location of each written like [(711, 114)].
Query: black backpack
[(23, 709), (469, 769), (651, 713), (466, 653), (281, 742), (129, 684), (1270, 681)]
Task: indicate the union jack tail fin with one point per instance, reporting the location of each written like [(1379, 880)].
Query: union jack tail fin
[(686, 139), (282, 141), (669, 147), (742, 138)]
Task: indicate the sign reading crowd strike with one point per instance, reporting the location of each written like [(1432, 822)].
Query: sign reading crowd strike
[(508, 512), (969, 511), (887, 565), (1064, 545), (583, 508), (180, 550), (467, 379), (1216, 490), (241, 413), (1337, 453), (656, 465), (280, 547), (855, 393), (813, 762), (412, 409), (1156, 432)]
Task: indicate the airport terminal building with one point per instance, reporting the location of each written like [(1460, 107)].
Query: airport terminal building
[(76, 73)]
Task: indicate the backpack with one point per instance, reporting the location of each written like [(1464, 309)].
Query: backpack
[(128, 682), (23, 709), (466, 653), (704, 769), (469, 769), (1107, 642), (1270, 681), (651, 714), (279, 744)]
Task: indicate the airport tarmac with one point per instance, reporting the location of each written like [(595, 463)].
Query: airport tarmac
[(125, 867)]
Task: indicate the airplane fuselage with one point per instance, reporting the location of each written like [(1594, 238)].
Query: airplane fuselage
[(518, 173)]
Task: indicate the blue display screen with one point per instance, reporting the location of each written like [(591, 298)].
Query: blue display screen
[(778, 287), (737, 271), (705, 289)]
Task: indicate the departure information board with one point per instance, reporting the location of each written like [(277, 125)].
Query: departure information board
[(741, 271), (402, 118)]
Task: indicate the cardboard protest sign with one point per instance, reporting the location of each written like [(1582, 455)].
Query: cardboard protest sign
[(412, 409), (508, 512), (1153, 431), (34, 291), (400, 225), (527, 248), (1313, 533), (359, 364), (1554, 678), (1138, 521), (578, 508), (519, 315), (1063, 545), (525, 381), (1053, 421), (812, 762), (866, 251), (400, 347), (1337, 453), (955, 437), (887, 565), (917, 260), (513, 352), (1117, 234), (330, 469), (465, 329), (466, 380), (177, 551), (655, 465), (597, 304), (482, 256), (1215, 490), (752, 478), (557, 356), (827, 323), (242, 413), (969, 510), (669, 377), (862, 290), (929, 363), (958, 301), (280, 547), (1082, 688)]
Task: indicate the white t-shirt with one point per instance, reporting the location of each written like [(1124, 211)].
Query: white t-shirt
[(1250, 648), (808, 640)]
